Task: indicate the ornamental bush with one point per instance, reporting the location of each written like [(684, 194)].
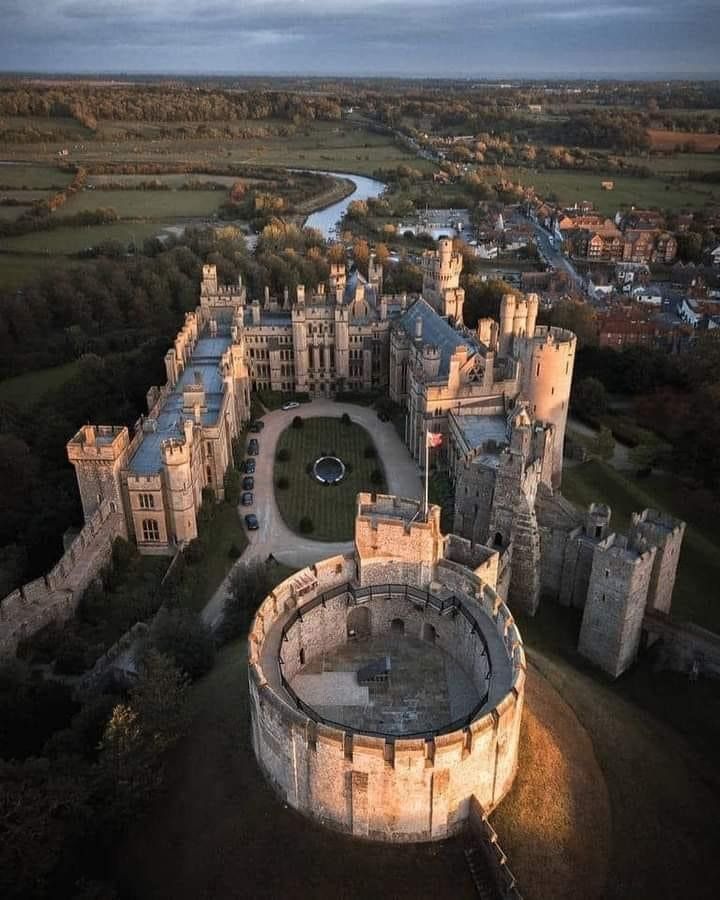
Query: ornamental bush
[(306, 525)]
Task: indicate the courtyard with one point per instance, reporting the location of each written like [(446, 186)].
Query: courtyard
[(306, 504)]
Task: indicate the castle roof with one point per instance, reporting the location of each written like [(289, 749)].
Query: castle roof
[(437, 332), (204, 363)]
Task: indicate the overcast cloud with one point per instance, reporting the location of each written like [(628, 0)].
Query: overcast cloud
[(372, 37)]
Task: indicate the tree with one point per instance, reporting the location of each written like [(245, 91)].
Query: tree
[(182, 636), (577, 317), (605, 443), (139, 733), (249, 585), (589, 398), (232, 484)]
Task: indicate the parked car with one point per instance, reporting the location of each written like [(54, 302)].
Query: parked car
[(248, 483), (247, 498), (251, 522), (257, 426), (249, 467), (291, 404), (253, 447)]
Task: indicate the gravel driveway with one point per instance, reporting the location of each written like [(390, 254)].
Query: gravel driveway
[(273, 536)]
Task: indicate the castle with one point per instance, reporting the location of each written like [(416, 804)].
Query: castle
[(325, 732), (499, 394)]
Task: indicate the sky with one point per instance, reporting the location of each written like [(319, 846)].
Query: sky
[(432, 38)]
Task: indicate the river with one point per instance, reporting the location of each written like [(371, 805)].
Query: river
[(326, 220)]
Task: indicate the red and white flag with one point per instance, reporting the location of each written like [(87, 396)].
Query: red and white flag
[(434, 438)]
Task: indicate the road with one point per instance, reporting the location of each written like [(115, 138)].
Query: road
[(273, 535), (553, 256)]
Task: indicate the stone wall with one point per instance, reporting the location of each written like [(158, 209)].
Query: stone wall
[(54, 598), (684, 647), (396, 789)]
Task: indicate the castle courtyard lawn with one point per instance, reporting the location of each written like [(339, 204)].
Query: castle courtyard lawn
[(222, 533), (331, 508), (697, 589)]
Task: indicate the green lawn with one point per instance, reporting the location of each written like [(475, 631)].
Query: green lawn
[(697, 592), (25, 390), (642, 192), (21, 177), (146, 204), (220, 534), (331, 508), (73, 240), (678, 163)]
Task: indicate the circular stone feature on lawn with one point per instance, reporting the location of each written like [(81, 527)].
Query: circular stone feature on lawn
[(329, 469)]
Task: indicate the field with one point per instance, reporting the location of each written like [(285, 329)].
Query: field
[(571, 187), (171, 179), (671, 140), (678, 164), (74, 240), (146, 204), (25, 390), (342, 147), (22, 177), (331, 508), (696, 589)]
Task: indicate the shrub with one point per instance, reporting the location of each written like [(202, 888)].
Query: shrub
[(234, 552), (370, 452), (297, 422), (232, 484), (376, 476), (195, 551), (283, 454), (72, 657), (348, 468), (306, 525), (283, 483), (345, 419)]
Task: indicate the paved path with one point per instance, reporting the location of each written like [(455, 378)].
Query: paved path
[(273, 536)]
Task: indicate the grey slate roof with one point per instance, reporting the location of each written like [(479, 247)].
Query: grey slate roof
[(205, 359), (436, 331)]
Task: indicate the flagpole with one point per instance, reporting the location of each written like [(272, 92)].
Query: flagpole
[(427, 469)]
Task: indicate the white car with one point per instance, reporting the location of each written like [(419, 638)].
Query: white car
[(291, 404)]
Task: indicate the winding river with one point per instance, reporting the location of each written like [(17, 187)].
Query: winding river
[(326, 220)]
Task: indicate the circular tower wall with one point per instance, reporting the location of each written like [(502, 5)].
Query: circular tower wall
[(402, 784)]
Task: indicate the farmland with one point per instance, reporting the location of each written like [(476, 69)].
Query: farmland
[(147, 204), (674, 140), (571, 187)]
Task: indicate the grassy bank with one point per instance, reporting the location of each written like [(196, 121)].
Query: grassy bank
[(697, 591)]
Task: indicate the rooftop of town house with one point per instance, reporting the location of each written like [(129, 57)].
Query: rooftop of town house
[(203, 365), (437, 332)]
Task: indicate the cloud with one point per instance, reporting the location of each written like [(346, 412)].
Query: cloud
[(430, 37)]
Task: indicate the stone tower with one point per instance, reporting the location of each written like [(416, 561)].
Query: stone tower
[(300, 346), (176, 455), (547, 359), (441, 281), (666, 533), (616, 600), (99, 454)]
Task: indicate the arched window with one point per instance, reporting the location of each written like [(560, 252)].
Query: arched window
[(358, 623), (150, 530), (428, 633), (397, 626), (498, 542)]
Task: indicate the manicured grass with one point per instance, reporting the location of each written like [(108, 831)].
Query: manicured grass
[(697, 595), (642, 192), (19, 177), (331, 508), (219, 535), (146, 204), (25, 390), (219, 830), (74, 240)]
